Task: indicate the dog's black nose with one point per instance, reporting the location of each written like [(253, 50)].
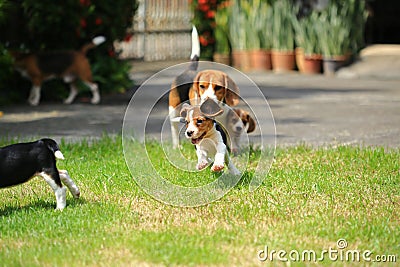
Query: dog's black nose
[(189, 133)]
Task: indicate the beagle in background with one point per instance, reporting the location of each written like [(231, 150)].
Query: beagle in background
[(197, 87), (180, 88), (236, 122), (66, 64), (21, 162), (201, 130)]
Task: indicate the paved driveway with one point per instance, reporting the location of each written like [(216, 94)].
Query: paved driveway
[(316, 110)]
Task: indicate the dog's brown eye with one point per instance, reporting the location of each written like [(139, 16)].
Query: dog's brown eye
[(217, 87), (199, 121), (202, 86)]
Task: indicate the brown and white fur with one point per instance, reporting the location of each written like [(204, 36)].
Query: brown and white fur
[(66, 64), (197, 87), (201, 130), (236, 122)]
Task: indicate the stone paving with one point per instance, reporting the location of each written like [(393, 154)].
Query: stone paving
[(356, 109)]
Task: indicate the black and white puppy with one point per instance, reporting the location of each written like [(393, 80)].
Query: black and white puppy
[(22, 161)]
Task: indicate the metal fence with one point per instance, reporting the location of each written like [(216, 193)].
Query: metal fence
[(161, 31)]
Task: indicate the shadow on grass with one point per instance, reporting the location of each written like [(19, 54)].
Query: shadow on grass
[(40, 205)]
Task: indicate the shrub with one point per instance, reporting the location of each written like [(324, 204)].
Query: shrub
[(32, 25), (204, 20)]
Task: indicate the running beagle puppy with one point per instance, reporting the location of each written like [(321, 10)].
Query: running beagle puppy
[(66, 64), (237, 121), (201, 130), (197, 87), (21, 162)]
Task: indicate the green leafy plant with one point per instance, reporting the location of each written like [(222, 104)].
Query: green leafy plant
[(204, 20), (263, 22), (359, 16), (282, 26), (7, 95), (222, 44), (253, 23), (250, 25), (306, 35), (51, 25), (340, 27), (237, 30)]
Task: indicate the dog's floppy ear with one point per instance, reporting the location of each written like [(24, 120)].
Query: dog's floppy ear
[(210, 109), (185, 108), (252, 124), (232, 91)]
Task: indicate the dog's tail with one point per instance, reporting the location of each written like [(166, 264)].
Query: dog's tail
[(95, 42), (52, 145), (195, 56)]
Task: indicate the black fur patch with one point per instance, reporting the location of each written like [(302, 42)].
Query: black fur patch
[(20, 162), (55, 62)]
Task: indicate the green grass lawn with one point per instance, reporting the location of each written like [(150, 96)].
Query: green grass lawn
[(311, 198)]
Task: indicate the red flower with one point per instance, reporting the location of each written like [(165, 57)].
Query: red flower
[(83, 23), (204, 8), (98, 21), (203, 41), (128, 37), (111, 53), (85, 2), (210, 14)]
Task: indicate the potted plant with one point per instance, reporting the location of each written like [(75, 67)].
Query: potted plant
[(259, 39), (359, 17), (221, 33), (308, 51), (238, 35), (282, 54), (338, 30)]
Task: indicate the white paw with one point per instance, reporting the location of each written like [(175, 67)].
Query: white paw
[(95, 100), (68, 101), (33, 102)]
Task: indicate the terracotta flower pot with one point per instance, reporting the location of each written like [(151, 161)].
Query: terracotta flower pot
[(300, 58), (312, 64), (283, 61), (241, 59), (260, 59), (222, 58)]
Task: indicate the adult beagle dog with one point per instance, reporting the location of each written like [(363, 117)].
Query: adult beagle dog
[(66, 64), (196, 87), (22, 161), (201, 130)]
